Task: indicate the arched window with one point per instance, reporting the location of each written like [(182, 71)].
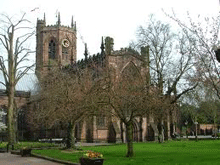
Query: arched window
[(52, 49), (65, 49), (65, 52), (101, 121)]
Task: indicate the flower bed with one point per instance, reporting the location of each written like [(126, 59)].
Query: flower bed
[(91, 158)]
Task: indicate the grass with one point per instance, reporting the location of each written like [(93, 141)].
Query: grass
[(60, 154), (172, 153)]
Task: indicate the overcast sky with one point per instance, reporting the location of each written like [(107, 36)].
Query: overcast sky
[(96, 18)]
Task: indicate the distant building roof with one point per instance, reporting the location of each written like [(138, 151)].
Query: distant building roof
[(28, 83)]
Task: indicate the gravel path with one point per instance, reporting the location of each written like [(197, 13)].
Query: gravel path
[(11, 159)]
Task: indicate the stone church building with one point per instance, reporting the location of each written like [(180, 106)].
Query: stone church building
[(58, 43)]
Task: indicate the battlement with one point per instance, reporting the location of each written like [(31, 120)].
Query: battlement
[(121, 51), (61, 27), (58, 23), (40, 21), (96, 59)]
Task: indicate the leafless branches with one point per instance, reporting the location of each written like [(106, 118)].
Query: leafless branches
[(18, 52), (15, 54), (203, 36), (171, 57)]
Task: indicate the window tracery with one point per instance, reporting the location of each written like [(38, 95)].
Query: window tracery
[(52, 49)]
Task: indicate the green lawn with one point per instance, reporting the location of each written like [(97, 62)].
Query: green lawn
[(173, 152)]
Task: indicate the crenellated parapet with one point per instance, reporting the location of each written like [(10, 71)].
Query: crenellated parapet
[(94, 60)]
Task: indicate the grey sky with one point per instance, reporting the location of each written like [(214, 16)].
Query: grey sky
[(95, 18)]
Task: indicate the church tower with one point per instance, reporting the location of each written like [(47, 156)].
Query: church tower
[(55, 45)]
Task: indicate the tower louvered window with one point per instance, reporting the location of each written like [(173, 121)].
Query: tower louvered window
[(52, 49), (65, 52)]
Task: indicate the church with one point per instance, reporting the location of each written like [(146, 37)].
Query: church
[(58, 43)]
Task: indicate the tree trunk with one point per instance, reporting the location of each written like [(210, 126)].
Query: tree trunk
[(161, 132), (122, 132), (70, 143), (11, 91), (141, 130), (16, 121), (130, 152), (10, 116), (215, 128)]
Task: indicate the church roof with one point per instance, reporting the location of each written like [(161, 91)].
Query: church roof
[(28, 83)]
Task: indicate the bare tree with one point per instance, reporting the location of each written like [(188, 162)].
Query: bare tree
[(203, 36), (159, 38), (124, 97), (62, 99), (170, 63), (16, 53)]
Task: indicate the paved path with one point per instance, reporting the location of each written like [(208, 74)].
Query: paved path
[(11, 159)]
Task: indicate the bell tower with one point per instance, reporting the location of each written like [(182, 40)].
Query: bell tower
[(55, 45)]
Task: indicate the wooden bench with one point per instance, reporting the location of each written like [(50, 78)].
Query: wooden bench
[(52, 140)]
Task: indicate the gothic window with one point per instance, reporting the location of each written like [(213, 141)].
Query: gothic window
[(101, 121), (64, 53), (52, 49), (21, 119)]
